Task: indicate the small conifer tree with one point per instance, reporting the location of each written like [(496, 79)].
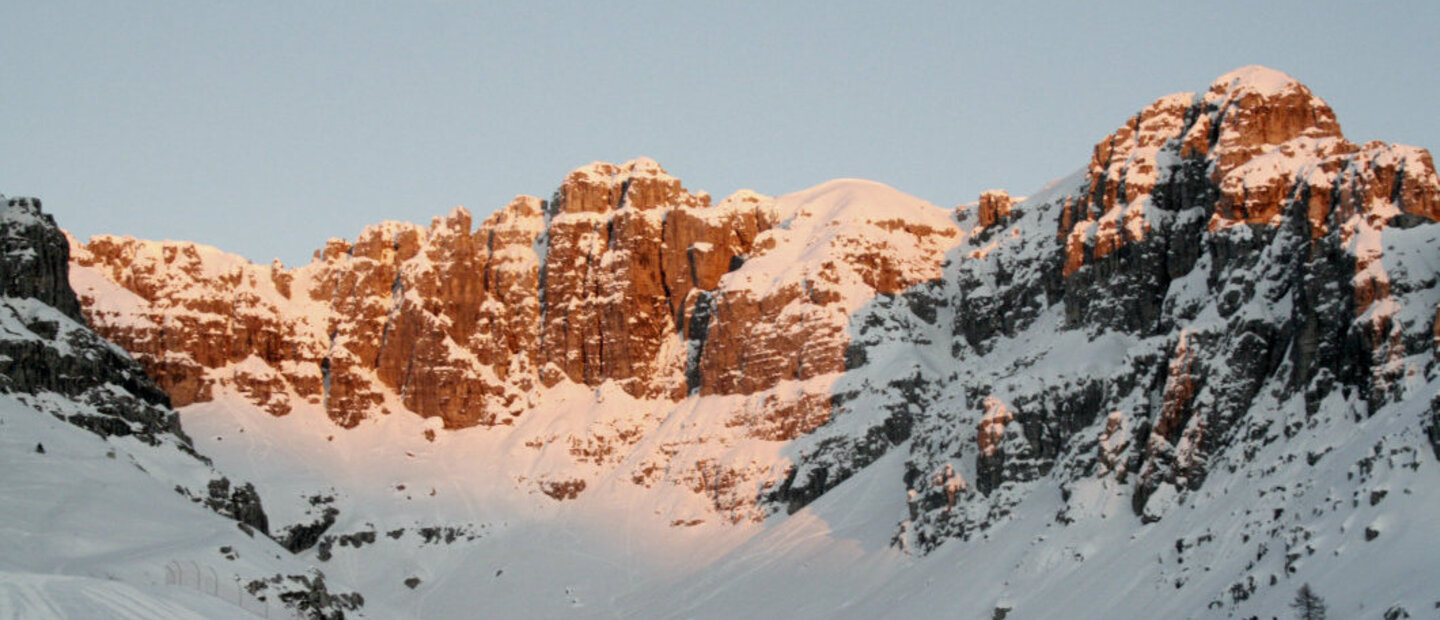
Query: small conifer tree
[(1307, 604)]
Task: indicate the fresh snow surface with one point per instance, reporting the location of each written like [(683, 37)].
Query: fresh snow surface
[(1263, 80), (93, 528), (518, 553), (830, 560), (823, 224)]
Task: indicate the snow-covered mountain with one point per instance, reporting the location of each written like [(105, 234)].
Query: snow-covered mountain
[(1180, 382)]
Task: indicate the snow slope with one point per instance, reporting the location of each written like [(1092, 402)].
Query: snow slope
[(1201, 561), (1213, 554), (93, 528)]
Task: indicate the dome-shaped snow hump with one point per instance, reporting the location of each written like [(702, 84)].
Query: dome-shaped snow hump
[(1263, 80), (860, 200)]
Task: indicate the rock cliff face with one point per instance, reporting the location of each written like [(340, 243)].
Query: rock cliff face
[(1228, 272), (48, 357), (617, 279), (623, 279)]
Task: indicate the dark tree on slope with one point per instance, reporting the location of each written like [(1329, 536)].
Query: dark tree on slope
[(1307, 604)]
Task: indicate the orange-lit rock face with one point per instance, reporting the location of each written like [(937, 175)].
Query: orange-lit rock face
[(406, 312), (1123, 170), (1179, 390), (598, 286), (188, 309), (991, 429), (701, 245), (1263, 109), (1264, 142), (994, 206), (624, 247)]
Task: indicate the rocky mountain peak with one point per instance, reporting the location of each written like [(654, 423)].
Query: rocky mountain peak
[(1259, 109), (641, 183), (1256, 140), (36, 257), (457, 221)]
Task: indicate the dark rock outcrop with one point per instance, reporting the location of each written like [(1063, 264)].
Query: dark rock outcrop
[(36, 257), (46, 347), (240, 503)]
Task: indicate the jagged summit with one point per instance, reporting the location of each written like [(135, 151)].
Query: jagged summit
[(1252, 144), (638, 167), (458, 219), (640, 183)]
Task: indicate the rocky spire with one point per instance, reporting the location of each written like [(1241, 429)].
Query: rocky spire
[(36, 257)]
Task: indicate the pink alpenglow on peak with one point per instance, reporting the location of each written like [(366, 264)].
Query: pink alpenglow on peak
[(1256, 78)]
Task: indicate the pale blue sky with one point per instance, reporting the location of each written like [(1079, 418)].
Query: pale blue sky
[(266, 127)]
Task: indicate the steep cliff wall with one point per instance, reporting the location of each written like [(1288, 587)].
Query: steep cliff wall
[(600, 284)]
